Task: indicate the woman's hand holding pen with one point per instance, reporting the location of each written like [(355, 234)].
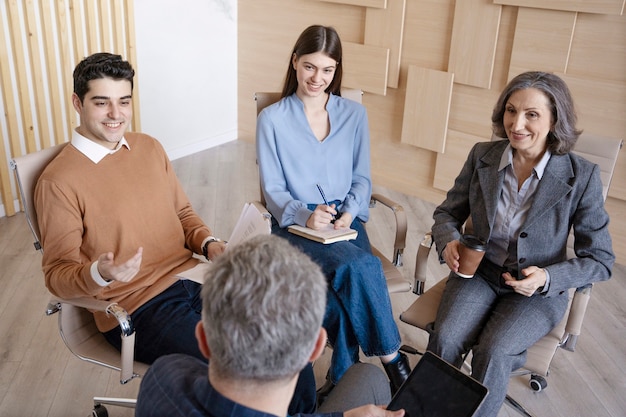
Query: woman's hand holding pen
[(344, 221), (321, 217)]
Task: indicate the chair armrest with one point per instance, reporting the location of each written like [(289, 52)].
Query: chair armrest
[(575, 318), (123, 318), (84, 302), (421, 263), (261, 207), (401, 225), (127, 330), (267, 216)]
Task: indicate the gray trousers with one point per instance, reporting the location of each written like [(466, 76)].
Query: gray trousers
[(484, 315), (363, 383)]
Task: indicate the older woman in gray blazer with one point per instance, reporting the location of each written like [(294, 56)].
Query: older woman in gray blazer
[(523, 194)]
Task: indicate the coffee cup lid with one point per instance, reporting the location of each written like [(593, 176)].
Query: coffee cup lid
[(473, 242)]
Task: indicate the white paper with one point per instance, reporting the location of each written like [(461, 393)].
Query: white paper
[(251, 223)]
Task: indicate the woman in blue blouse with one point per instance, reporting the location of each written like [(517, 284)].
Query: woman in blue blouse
[(314, 136)]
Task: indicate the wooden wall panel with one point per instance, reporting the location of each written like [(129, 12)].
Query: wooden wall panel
[(449, 164), (504, 48), (426, 108), (474, 37), (384, 28), (601, 105), (598, 47), (587, 6), (541, 46), (427, 34), (365, 67), (470, 110), (365, 3)]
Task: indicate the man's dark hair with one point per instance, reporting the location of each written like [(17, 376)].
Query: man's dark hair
[(100, 65)]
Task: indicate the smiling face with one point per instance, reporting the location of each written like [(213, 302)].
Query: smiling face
[(106, 111), (527, 120), (314, 73)]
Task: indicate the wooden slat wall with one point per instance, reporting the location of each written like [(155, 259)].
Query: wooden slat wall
[(588, 48), (46, 39)]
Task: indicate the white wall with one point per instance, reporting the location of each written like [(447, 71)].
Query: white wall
[(186, 72)]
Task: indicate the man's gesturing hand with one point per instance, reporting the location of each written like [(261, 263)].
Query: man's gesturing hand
[(123, 272)]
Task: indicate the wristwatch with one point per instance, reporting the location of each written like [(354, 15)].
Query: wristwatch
[(205, 248)]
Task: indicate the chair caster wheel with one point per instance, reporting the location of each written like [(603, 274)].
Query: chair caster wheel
[(537, 383), (99, 411)]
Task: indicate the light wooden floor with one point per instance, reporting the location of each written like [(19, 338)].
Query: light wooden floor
[(39, 377)]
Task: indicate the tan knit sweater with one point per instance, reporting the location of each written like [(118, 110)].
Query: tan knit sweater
[(131, 198)]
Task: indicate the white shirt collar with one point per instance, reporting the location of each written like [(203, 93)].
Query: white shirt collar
[(507, 159), (93, 150)]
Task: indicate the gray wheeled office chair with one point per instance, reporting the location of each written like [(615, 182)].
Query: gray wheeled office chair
[(600, 150), (395, 280), (76, 323)]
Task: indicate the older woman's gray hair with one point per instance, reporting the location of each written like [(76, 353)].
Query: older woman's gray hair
[(563, 134)]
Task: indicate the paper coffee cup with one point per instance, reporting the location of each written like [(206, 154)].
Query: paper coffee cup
[(471, 252)]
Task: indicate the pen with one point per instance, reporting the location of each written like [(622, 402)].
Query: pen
[(319, 187)]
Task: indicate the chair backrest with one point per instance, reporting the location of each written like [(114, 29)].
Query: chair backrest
[(264, 99), (602, 151), (599, 150), (27, 169)]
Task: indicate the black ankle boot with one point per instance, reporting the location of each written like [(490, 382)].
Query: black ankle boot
[(324, 391), (397, 372)]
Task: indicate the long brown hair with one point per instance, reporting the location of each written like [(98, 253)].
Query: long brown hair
[(313, 39)]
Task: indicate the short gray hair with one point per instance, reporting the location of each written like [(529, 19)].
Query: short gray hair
[(263, 306)]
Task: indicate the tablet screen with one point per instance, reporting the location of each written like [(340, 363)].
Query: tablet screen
[(437, 389)]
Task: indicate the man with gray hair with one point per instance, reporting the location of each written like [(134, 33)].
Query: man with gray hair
[(263, 306)]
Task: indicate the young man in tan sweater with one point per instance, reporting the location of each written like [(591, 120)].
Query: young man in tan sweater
[(116, 224)]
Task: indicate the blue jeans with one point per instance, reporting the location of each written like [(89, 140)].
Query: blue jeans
[(167, 324), (485, 315), (358, 310)]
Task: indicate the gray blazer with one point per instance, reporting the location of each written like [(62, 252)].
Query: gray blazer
[(569, 195)]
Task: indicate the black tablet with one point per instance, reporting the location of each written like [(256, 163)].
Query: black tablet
[(437, 389)]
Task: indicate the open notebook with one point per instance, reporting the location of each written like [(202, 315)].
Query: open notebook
[(437, 389), (326, 235)]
